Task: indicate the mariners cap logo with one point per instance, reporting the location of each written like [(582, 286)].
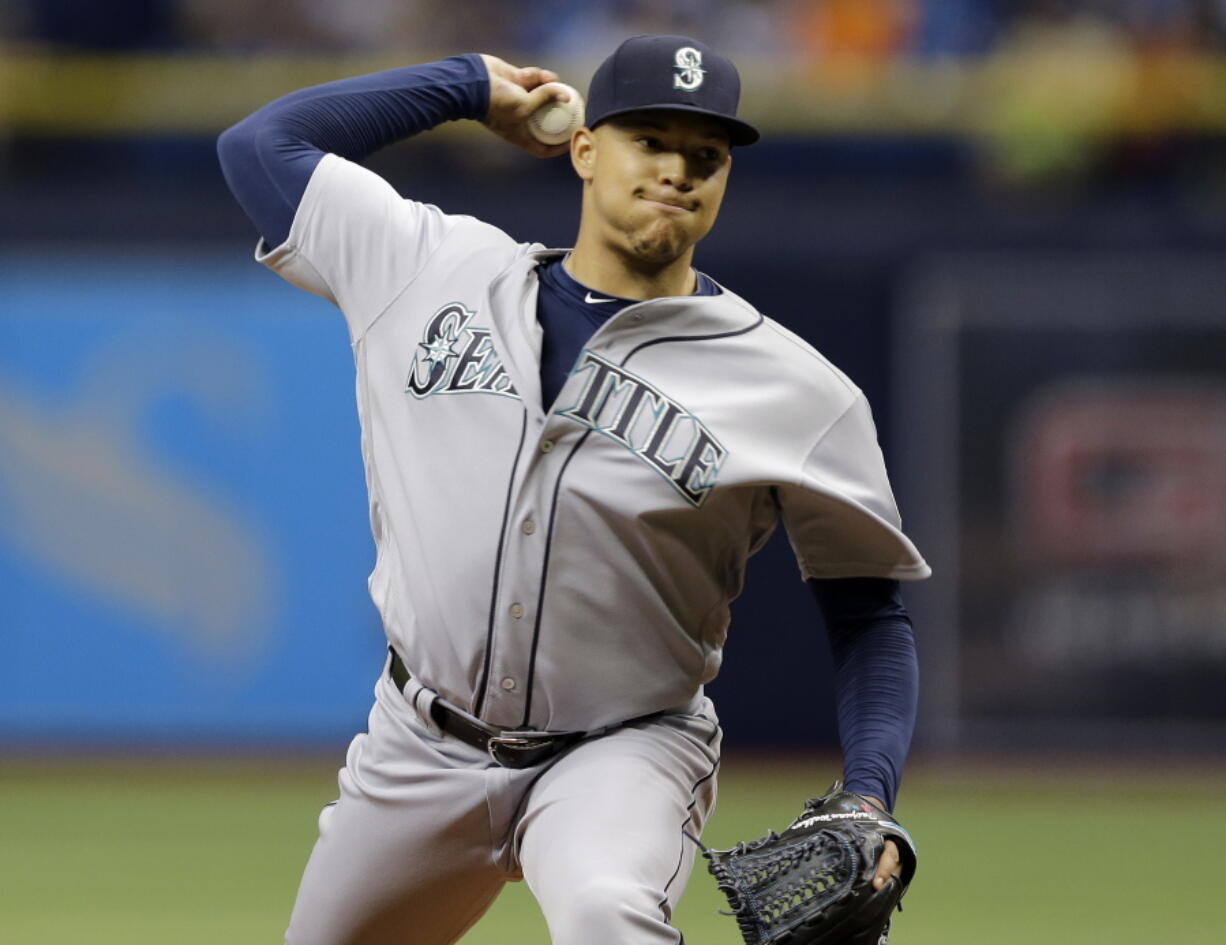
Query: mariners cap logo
[(688, 63), (668, 72)]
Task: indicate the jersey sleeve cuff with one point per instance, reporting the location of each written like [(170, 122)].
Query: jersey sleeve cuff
[(288, 259)]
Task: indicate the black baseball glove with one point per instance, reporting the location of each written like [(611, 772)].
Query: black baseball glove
[(812, 884)]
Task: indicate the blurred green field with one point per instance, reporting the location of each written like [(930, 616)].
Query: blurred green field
[(195, 852)]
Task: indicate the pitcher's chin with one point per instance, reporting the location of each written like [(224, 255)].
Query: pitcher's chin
[(661, 243)]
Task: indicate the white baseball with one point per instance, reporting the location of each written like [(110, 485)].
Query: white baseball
[(554, 122)]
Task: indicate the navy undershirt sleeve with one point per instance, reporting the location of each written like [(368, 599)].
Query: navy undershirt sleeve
[(876, 677), (269, 156)]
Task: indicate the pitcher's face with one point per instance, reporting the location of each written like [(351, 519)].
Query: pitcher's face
[(654, 180)]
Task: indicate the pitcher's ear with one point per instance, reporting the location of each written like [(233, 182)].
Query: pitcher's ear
[(583, 152)]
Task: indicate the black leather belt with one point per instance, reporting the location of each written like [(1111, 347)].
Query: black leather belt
[(511, 749)]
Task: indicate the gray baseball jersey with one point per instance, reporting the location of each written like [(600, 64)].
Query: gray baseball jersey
[(569, 566)]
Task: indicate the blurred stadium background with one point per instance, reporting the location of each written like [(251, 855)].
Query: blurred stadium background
[(1005, 220)]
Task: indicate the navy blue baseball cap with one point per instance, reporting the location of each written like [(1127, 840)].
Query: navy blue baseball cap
[(668, 73)]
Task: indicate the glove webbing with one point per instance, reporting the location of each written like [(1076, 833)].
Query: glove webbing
[(766, 893)]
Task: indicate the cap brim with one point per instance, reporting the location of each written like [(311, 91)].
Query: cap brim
[(740, 133)]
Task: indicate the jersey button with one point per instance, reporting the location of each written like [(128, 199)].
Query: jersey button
[(508, 684), (517, 610), (528, 527), (546, 445)]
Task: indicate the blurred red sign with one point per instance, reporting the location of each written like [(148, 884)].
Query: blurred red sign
[(1122, 471)]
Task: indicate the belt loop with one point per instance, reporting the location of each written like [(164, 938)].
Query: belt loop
[(421, 700)]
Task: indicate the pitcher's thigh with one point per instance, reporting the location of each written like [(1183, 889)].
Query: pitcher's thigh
[(403, 856), (601, 842)]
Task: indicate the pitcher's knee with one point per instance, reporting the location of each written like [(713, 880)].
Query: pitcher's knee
[(610, 912)]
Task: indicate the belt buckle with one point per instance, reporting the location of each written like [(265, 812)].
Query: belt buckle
[(518, 751)]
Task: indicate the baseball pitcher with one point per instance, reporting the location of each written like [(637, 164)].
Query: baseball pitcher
[(570, 455)]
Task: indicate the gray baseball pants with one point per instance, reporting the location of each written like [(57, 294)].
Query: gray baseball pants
[(427, 830)]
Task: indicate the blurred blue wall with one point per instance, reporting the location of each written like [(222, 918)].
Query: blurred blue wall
[(182, 517)]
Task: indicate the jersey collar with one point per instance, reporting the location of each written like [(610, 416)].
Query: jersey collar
[(685, 316), (513, 296)]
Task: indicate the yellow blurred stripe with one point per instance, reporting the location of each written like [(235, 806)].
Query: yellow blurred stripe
[(45, 92)]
